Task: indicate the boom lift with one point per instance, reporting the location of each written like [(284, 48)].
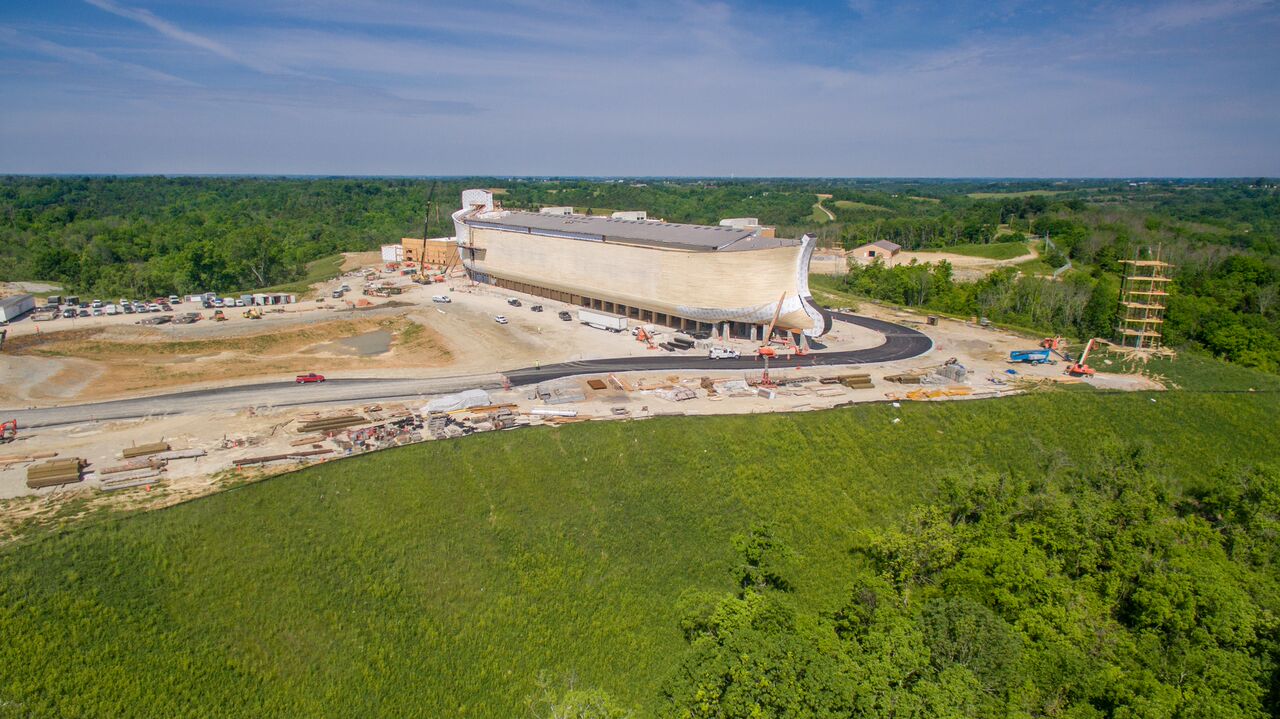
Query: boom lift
[(1080, 369), (764, 350), (8, 431)]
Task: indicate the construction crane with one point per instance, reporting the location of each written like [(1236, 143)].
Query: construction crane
[(8, 431), (421, 277), (1080, 369)]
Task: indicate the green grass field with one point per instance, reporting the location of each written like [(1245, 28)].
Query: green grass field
[(325, 268), (851, 205), (991, 251), (1024, 193), (444, 579)]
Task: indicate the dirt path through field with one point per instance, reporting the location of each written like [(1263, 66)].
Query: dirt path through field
[(830, 215), (965, 267)]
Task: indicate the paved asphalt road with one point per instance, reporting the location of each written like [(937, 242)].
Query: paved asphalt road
[(900, 343)]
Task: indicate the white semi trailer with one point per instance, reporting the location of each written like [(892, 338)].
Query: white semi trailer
[(601, 321)]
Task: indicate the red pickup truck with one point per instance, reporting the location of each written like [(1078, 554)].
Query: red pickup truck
[(308, 378)]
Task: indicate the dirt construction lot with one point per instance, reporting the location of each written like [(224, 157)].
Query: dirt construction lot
[(405, 335), (402, 336)]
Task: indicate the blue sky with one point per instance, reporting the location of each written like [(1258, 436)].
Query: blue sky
[(521, 87)]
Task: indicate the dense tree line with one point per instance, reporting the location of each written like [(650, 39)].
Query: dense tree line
[(1096, 594), (154, 235)]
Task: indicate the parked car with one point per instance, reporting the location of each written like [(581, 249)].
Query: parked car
[(68, 313), (174, 299), (84, 313), (239, 303), (565, 316), (722, 353), (535, 308), (308, 378), (514, 302), (500, 319), (97, 312), (442, 299)]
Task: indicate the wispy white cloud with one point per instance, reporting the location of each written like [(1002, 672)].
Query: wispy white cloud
[(1189, 13), (80, 56), (688, 87), (173, 32)]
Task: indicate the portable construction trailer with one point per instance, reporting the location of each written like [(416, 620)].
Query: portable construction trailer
[(11, 308)]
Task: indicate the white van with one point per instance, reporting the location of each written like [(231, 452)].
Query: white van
[(442, 299), (722, 353), (113, 309)]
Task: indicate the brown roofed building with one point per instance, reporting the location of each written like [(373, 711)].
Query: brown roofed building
[(882, 250)]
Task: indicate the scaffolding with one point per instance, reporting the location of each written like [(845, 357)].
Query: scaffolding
[(1142, 302)]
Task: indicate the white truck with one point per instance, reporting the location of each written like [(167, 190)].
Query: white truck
[(722, 353), (601, 321)]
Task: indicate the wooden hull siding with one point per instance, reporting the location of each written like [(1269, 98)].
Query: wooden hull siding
[(688, 290)]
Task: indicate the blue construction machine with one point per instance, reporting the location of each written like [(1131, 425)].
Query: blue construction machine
[(1040, 356)]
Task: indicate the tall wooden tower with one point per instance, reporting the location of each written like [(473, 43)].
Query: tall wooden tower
[(1142, 301)]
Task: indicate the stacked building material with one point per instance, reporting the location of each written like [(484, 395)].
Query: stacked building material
[(332, 424), (55, 472), (180, 454), (8, 459), (143, 450), (563, 391), (131, 479), (133, 466), (856, 381), (912, 377), (436, 424), (280, 457)]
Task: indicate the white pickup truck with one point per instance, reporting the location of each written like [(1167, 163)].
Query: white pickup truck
[(722, 353)]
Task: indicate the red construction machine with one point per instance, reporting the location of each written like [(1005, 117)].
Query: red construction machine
[(1079, 368)]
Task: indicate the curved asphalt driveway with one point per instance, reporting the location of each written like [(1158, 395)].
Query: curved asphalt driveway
[(900, 343)]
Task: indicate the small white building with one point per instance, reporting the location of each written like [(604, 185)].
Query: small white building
[(11, 308), (556, 211), (740, 223), (882, 250), (393, 253), (634, 215)]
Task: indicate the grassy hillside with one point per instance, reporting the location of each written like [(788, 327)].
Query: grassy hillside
[(992, 251), (444, 579)]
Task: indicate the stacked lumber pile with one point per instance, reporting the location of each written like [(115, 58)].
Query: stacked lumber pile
[(280, 457), (325, 425), (143, 450), (954, 391), (8, 459), (856, 381), (914, 376), (55, 472)]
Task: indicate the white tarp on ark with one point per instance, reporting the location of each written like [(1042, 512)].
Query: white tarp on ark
[(461, 400)]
